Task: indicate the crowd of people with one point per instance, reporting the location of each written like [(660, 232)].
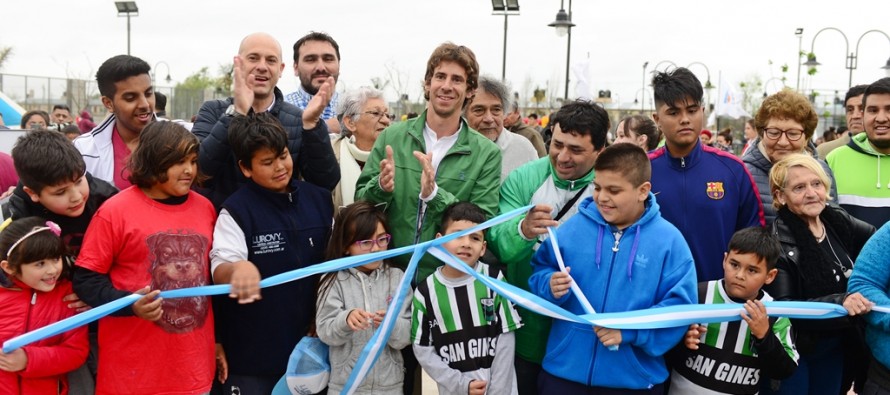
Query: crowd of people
[(265, 182)]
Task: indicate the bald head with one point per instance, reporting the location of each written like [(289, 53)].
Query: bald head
[(258, 39), (261, 65)]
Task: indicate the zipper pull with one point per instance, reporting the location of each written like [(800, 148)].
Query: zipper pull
[(682, 162), (311, 243), (34, 298), (617, 239)]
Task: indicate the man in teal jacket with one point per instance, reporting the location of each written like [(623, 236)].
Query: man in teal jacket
[(420, 166), (556, 186)]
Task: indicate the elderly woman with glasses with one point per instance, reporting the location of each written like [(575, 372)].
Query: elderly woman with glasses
[(820, 242), (785, 124), (363, 115)]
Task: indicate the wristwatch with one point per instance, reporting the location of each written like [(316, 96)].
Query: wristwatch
[(231, 111)]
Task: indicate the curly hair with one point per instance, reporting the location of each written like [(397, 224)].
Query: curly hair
[(453, 53), (787, 104)]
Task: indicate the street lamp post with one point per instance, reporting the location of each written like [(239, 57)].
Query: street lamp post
[(127, 8), (766, 85), (799, 33), (155, 71), (505, 8), (852, 58), (663, 62), (563, 25), (643, 89)]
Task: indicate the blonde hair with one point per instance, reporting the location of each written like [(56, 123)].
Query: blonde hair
[(778, 175)]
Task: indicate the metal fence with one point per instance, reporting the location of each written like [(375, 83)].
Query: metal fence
[(42, 93)]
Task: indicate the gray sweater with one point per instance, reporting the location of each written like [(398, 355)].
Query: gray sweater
[(353, 289)]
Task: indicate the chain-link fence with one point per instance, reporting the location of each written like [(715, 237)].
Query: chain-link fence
[(42, 93)]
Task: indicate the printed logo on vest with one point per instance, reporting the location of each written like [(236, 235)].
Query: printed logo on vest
[(268, 243), (715, 190)]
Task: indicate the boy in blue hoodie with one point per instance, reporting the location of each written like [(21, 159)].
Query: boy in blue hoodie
[(639, 261)]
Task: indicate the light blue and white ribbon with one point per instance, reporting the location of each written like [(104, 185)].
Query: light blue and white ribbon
[(664, 317)]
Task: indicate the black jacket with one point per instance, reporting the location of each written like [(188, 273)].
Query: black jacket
[(788, 282), (311, 149)]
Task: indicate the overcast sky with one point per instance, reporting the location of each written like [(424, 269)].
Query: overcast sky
[(735, 38)]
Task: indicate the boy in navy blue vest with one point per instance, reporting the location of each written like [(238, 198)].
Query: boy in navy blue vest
[(269, 226)]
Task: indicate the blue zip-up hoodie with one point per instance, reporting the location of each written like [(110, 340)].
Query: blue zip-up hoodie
[(708, 195), (649, 265)]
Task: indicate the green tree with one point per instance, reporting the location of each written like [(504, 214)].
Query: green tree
[(201, 80), (5, 54), (752, 93)]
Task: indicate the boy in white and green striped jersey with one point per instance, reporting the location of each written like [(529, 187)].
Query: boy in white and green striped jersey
[(462, 331), (737, 357)]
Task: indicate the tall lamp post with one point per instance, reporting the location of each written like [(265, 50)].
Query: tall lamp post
[(643, 89), (127, 8), (563, 25), (155, 71), (505, 8), (852, 58), (766, 85), (799, 33)]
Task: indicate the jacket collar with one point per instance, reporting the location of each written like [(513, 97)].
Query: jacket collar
[(686, 161), (280, 199), (415, 130)]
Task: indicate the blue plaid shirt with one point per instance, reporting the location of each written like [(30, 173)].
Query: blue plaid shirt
[(300, 98)]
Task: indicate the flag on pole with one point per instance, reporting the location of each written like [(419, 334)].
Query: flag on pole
[(729, 101)]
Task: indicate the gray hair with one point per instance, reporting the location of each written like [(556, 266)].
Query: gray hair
[(496, 88), (352, 102)]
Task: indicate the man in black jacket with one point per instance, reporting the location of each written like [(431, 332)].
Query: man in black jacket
[(258, 67)]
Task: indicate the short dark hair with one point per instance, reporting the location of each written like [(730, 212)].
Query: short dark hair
[(585, 118), (119, 68), (315, 36), (160, 102), (533, 116), (29, 114), (253, 132), (459, 54), (39, 246), (162, 144), (854, 91), (61, 107), (461, 211), (675, 86), (626, 159), (879, 87), (727, 135), (45, 158), (758, 241)]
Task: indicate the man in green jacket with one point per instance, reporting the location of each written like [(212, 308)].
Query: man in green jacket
[(555, 185), (420, 166)]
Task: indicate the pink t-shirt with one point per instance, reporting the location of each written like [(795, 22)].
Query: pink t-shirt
[(137, 242), (121, 154)]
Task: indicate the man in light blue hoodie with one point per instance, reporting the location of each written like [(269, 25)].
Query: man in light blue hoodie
[(623, 256)]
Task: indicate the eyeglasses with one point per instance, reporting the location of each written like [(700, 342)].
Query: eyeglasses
[(776, 133), (379, 115), (382, 242)]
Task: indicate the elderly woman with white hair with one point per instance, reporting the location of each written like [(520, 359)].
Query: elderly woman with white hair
[(820, 243), (363, 114)]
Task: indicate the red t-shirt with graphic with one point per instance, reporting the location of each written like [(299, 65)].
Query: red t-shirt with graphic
[(137, 242)]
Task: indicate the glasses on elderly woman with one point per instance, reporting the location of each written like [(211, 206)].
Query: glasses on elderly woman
[(776, 133), (378, 114), (381, 242)]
